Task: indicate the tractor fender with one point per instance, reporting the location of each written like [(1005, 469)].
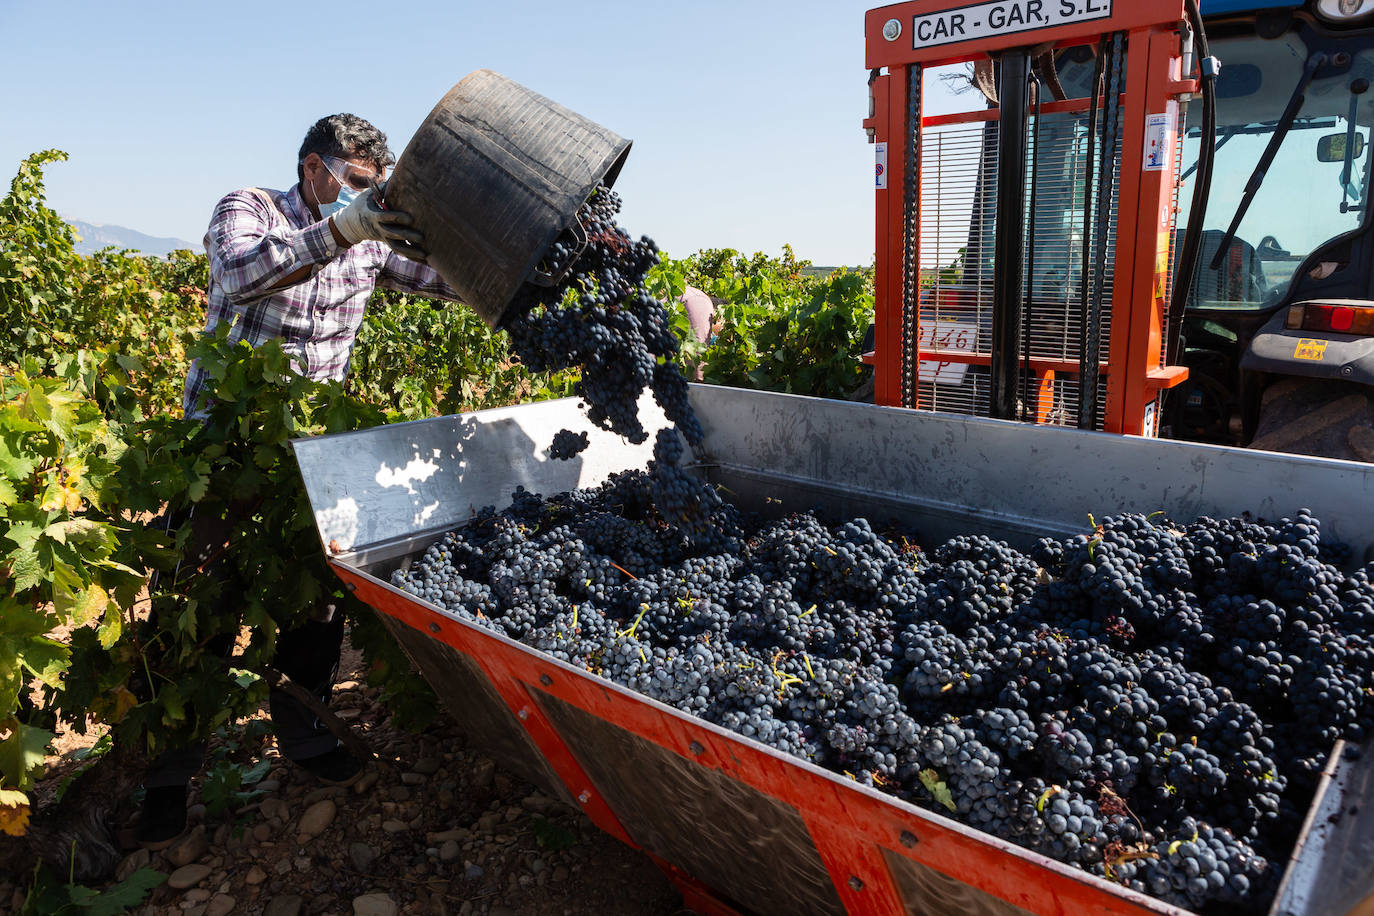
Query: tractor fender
[(1320, 355)]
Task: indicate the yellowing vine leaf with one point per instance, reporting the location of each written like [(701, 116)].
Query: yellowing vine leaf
[(14, 812), (113, 706), (110, 628)]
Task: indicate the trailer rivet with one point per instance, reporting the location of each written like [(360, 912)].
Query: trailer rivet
[(908, 839), (855, 883), (892, 30), (434, 628), (584, 797), (525, 713), (545, 680), (696, 748)]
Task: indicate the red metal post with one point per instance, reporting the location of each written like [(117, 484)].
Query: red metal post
[(1145, 225), (1147, 218)]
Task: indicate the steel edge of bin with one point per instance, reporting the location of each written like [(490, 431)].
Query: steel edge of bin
[(838, 808)]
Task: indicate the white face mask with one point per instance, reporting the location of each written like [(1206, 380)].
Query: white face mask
[(345, 197)]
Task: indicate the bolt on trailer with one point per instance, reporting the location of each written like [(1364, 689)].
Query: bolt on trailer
[(1052, 246)]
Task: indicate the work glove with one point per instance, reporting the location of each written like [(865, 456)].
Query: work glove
[(366, 218)]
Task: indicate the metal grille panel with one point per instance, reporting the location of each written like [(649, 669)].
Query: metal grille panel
[(959, 164), (958, 214)]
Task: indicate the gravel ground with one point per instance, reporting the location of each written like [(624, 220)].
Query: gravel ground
[(433, 827)]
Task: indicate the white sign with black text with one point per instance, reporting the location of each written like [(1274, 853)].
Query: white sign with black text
[(958, 336), (990, 20)]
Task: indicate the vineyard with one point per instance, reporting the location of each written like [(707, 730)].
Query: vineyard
[(1151, 701), (99, 622)]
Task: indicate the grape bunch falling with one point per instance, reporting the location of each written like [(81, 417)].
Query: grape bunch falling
[(602, 317), (1152, 702)]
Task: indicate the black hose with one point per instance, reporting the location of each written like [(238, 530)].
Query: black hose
[(1188, 257)]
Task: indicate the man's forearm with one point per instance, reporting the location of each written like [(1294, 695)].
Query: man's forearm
[(301, 273)]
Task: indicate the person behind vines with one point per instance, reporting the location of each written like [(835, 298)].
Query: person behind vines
[(701, 314), (298, 265)]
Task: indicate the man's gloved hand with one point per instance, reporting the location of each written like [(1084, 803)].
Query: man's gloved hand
[(365, 219)]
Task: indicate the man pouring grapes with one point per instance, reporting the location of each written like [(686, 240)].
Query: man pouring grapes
[(299, 266)]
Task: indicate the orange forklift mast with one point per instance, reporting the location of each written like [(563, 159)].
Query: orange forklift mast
[(1024, 246)]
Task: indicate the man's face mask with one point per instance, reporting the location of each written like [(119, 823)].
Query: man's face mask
[(352, 179)]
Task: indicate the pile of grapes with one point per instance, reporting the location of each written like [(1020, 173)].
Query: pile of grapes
[(1151, 701)]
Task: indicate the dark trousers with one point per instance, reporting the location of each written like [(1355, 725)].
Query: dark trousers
[(308, 655)]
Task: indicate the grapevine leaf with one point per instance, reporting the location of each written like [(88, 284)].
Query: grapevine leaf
[(24, 560), (22, 753), (111, 627), (186, 621), (46, 659), (18, 620), (173, 705), (14, 465), (937, 788), (14, 812), (25, 567), (116, 566), (128, 893), (84, 532), (115, 706), (67, 587)]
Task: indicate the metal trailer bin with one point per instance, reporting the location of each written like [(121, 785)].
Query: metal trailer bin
[(738, 825)]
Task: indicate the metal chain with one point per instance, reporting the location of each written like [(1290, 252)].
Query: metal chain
[(1028, 390), (1102, 221), (911, 275)]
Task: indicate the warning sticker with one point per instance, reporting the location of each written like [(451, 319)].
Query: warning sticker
[(1159, 145), (1310, 349), (880, 151), (989, 20)]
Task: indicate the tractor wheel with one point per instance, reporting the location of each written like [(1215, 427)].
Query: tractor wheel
[(1314, 417)]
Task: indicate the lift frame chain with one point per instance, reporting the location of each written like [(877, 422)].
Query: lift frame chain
[(911, 275), (1101, 202)]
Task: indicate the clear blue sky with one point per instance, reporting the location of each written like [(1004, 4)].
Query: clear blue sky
[(745, 115)]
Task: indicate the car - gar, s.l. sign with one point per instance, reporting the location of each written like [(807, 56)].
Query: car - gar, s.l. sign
[(989, 20)]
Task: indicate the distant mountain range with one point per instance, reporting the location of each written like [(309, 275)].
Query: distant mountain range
[(94, 238)]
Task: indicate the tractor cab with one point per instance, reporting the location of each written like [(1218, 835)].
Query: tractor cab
[(1107, 227), (1284, 224)]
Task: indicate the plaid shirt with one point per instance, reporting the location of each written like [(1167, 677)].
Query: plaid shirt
[(251, 246)]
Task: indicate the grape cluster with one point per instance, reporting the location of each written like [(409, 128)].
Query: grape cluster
[(567, 445), (1152, 702), (602, 317)]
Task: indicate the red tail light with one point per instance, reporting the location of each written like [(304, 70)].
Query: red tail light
[(1339, 317)]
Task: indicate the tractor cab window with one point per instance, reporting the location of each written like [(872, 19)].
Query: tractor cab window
[(1317, 186)]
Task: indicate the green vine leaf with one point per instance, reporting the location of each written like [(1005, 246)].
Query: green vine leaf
[(21, 752), (937, 788)]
